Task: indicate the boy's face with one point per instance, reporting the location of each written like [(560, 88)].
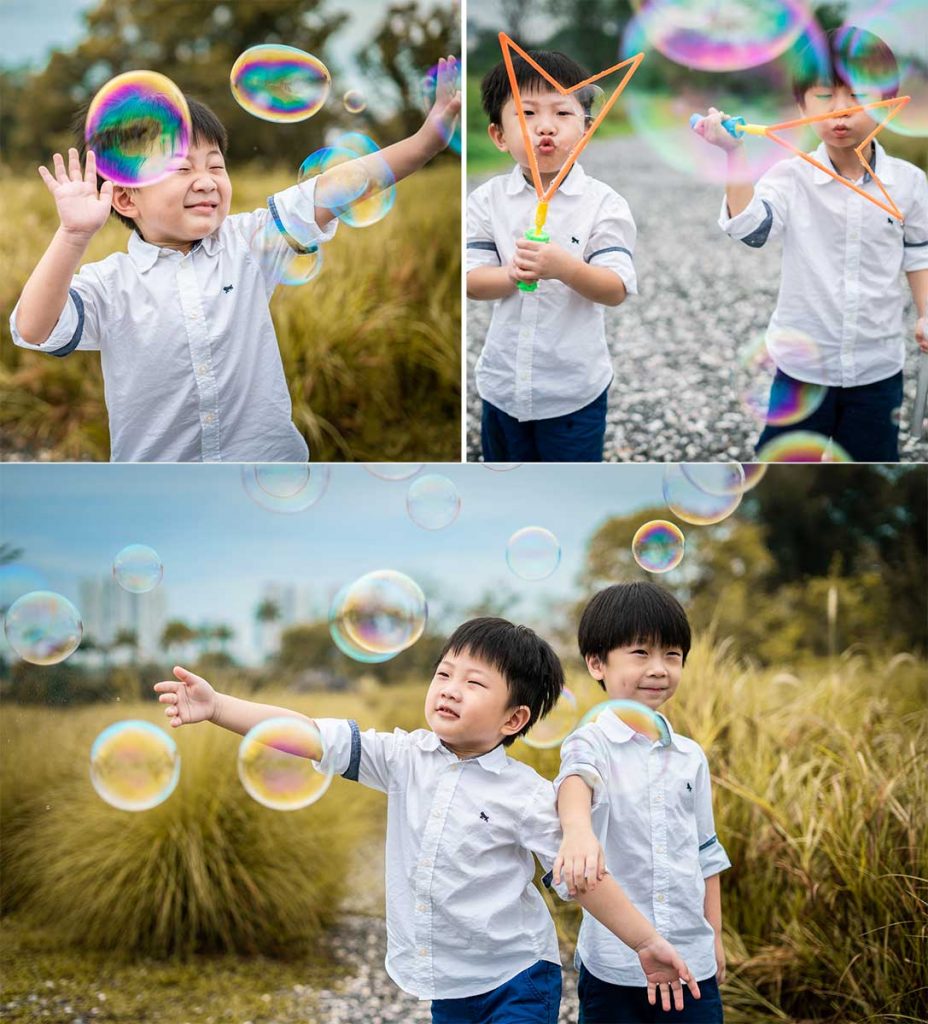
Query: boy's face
[(556, 124), (843, 132), (646, 672), (468, 705), (189, 204)]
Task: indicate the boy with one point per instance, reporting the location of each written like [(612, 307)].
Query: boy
[(544, 371), (466, 927), (651, 809), (842, 256), (191, 366)]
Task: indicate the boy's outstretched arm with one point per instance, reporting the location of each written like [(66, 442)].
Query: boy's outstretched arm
[(739, 190), (407, 156), (189, 699), (81, 213), (580, 859), (918, 283), (713, 912)]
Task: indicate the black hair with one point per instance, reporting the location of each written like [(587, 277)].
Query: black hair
[(206, 128), (852, 53), (495, 89), (532, 670), (630, 613)]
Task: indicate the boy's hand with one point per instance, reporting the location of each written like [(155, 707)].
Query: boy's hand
[(516, 275), (81, 210), (190, 699), (921, 333), (719, 959), (543, 260), (446, 108), (580, 861), (710, 128), (664, 968)]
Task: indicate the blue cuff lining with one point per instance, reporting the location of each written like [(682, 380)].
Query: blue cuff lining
[(708, 842), (611, 248), (78, 331), (913, 245), (354, 763), (489, 246), (288, 238), (759, 235)]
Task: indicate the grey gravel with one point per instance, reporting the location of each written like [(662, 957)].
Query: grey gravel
[(702, 298)]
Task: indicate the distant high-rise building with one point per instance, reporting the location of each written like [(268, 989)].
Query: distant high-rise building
[(106, 609)]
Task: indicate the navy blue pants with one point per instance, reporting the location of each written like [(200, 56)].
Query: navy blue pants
[(602, 1003), (575, 437), (532, 997), (864, 420)]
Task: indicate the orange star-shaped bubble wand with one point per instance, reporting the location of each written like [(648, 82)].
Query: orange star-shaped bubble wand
[(736, 127), (537, 233)]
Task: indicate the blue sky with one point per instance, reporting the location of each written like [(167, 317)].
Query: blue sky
[(220, 548)]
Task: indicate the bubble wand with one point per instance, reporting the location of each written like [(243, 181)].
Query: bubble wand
[(736, 127), (537, 232)]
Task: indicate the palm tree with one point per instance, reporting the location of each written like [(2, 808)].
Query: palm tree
[(128, 639), (268, 611), (176, 633)]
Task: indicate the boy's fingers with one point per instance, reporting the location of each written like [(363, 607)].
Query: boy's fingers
[(90, 168), (58, 163), (74, 165), (693, 986), (46, 176), (652, 988), (665, 998)]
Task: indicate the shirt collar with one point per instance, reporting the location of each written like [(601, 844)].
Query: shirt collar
[(879, 162), (618, 732), (492, 761), (572, 185), (145, 255)]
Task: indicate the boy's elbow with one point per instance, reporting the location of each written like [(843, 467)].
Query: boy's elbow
[(617, 293)]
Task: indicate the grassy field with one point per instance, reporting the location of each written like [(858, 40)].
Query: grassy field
[(820, 786), (371, 347)]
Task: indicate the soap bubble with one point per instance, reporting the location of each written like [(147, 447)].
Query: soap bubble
[(754, 472), (43, 627), (775, 400), (275, 763), (138, 569), (719, 478), (286, 261), (355, 101), (381, 613), (802, 446), (658, 546), (433, 502), (285, 486), (501, 467), (138, 126), (393, 470), (692, 505), (134, 765), (636, 716), (554, 728), (533, 553), (353, 180), (428, 87), (280, 83)]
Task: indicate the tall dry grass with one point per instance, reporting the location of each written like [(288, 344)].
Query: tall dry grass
[(371, 347)]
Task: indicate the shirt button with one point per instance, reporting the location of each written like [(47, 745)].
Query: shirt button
[(421, 908), (208, 418), (423, 952), (201, 369), (660, 897), (426, 863)]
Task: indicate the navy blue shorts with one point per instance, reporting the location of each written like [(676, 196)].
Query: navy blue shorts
[(532, 997), (602, 1003), (574, 437)]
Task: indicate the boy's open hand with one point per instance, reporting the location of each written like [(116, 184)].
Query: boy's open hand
[(543, 261), (190, 699), (580, 861), (710, 128), (446, 108), (664, 968), (81, 210), (921, 333)]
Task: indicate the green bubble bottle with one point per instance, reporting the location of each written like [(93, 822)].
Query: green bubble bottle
[(536, 234)]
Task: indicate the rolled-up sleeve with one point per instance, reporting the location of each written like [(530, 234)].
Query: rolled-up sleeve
[(612, 242), (78, 327), (915, 234), (481, 239), (294, 213), (367, 757), (539, 830), (763, 219), (580, 755), (712, 855)]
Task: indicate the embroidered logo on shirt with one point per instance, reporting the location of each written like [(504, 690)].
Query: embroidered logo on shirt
[(576, 241), (689, 787), (227, 288), (483, 817)]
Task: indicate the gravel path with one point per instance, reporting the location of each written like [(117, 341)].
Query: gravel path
[(703, 297)]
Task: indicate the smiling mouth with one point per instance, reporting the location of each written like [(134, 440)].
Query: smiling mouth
[(202, 206), (443, 709)]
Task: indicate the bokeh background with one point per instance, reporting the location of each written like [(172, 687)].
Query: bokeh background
[(807, 687), (681, 347), (371, 347)]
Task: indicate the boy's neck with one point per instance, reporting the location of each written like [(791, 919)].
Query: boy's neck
[(468, 754), (846, 161), (546, 179)]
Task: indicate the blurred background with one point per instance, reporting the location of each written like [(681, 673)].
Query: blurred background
[(807, 686), (371, 347), (686, 374)]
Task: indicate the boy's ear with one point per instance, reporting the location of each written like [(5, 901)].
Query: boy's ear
[(496, 134), (124, 201), (595, 666), (517, 720)]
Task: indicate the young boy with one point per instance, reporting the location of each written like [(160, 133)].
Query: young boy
[(466, 927), (545, 369), (191, 365), (651, 810), (842, 256)]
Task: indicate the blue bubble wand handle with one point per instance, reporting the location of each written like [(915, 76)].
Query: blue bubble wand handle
[(917, 423), (735, 126)]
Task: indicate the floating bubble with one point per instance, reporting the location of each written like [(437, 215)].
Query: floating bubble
[(134, 765), (280, 83), (433, 502), (275, 764), (715, 477), (802, 446), (138, 568), (754, 472), (693, 505), (286, 261), (501, 467), (658, 546), (138, 126), (16, 580), (636, 716), (533, 553), (555, 727), (393, 470), (428, 87), (772, 399), (43, 627), (355, 101), (719, 35), (286, 486), (353, 180), (381, 613)]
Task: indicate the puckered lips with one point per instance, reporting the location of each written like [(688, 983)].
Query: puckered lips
[(546, 147)]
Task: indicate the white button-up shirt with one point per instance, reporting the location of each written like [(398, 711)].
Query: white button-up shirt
[(463, 916), (191, 365), (652, 813), (841, 281), (545, 353)]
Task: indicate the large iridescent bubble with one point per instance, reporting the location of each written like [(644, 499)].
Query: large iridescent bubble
[(353, 180), (428, 87), (658, 546), (636, 716), (134, 765), (378, 615), (555, 727), (286, 261), (533, 553), (280, 83), (43, 627), (285, 487), (776, 400), (138, 568), (275, 764), (693, 505), (138, 126), (802, 446), (433, 502)]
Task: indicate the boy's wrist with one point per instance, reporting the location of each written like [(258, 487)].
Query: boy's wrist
[(217, 705), (78, 240)]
